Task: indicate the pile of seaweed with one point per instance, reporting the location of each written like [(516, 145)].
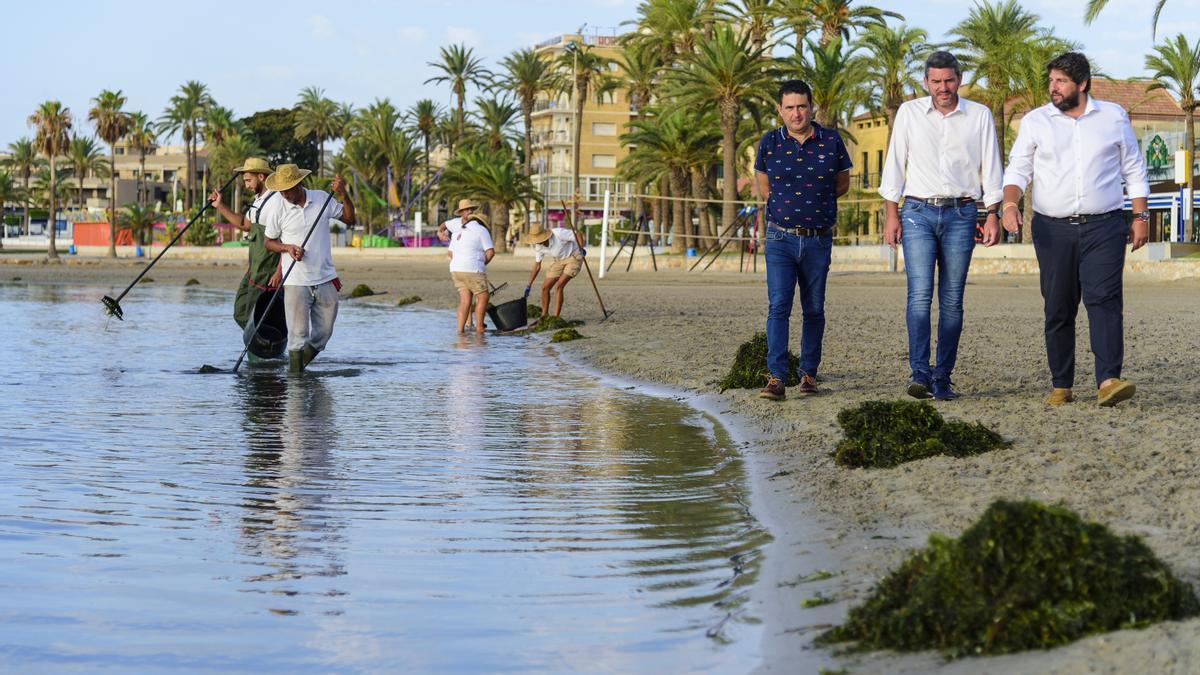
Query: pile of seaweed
[(749, 369), (549, 322), (361, 291), (565, 335), (882, 434), (533, 312), (408, 300), (1025, 576)]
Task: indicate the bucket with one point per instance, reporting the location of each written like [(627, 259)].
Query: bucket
[(691, 253), (509, 315), (270, 342)]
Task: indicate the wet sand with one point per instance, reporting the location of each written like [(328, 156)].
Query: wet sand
[(1134, 467)]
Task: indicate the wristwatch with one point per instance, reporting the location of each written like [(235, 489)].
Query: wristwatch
[(1142, 215), (993, 211)]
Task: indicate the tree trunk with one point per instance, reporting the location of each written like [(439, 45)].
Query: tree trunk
[(500, 227), (658, 211), (527, 113), (27, 204), (729, 120), (680, 240), (1189, 230), (580, 94), (704, 232), (52, 252), (112, 201), (142, 176)]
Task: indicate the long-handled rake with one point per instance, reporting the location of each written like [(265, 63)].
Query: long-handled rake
[(567, 220), (113, 305)]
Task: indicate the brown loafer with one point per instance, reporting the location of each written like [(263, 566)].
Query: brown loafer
[(1059, 396), (808, 386), (1113, 391), (774, 390)]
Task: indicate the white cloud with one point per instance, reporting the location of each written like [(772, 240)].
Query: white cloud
[(412, 33), (457, 34), (322, 27)]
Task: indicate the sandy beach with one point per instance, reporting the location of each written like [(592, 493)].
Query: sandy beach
[(1134, 467)]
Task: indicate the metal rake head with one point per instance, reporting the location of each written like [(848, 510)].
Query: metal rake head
[(113, 307)]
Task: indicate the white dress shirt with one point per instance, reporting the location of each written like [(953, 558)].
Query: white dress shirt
[(1077, 165), (289, 224), (932, 154)]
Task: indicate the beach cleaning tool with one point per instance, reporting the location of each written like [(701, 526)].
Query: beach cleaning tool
[(567, 220), (114, 304)]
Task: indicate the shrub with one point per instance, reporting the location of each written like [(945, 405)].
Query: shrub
[(882, 434), (749, 369), (1024, 576)]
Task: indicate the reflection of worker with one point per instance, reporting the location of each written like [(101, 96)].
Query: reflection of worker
[(265, 271), (466, 207), (564, 247), (470, 251)]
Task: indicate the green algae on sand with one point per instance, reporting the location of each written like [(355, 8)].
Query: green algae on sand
[(883, 434)]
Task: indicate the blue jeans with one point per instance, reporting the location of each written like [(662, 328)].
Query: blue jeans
[(943, 237), (795, 260)]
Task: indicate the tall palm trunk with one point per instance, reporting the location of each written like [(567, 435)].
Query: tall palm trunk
[(704, 233), (658, 209), (527, 113), (680, 231), (577, 133), (112, 202), (729, 120), (27, 203), (142, 178), (500, 226), (52, 251)]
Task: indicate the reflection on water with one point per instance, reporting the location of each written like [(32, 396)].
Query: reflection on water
[(417, 501)]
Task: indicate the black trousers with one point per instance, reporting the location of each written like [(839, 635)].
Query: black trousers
[(1082, 260)]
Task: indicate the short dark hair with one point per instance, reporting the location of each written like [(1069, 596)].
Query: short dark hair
[(794, 87), (942, 59), (1076, 67)]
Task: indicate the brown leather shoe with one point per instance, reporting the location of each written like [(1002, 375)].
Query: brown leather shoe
[(1113, 391), (808, 386), (774, 390), (1059, 396)]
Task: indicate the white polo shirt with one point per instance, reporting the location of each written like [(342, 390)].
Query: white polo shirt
[(289, 224), (561, 244), (467, 246)]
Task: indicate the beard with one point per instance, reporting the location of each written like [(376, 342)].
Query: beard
[(1067, 102)]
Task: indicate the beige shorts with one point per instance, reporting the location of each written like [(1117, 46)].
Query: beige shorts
[(569, 267), (476, 282)]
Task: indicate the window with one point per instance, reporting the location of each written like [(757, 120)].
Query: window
[(604, 129), (604, 161)]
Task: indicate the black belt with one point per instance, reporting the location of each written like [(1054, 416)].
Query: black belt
[(1083, 218), (942, 201), (801, 231)]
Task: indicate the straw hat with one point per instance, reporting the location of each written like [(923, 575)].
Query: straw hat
[(537, 235), (464, 204), (477, 217), (255, 165), (286, 177)]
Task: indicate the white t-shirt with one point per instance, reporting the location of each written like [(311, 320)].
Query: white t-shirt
[(453, 225), (561, 244), (289, 224), (467, 245), (255, 212)]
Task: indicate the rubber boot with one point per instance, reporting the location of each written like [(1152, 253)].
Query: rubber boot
[(295, 361), (307, 355)]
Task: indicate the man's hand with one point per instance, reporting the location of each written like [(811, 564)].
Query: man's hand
[(275, 279), (338, 186), (215, 199), (583, 252), (527, 289), (1011, 219), (892, 230), (991, 231), (443, 234), (1139, 233), (295, 251)]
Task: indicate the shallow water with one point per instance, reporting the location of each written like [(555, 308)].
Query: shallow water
[(415, 502)]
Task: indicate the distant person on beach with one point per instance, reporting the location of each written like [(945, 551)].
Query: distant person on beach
[(470, 251), (466, 207), (1079, 151), (942, 158), (310, 299), (802, 168), (265, 269), (565, 250)]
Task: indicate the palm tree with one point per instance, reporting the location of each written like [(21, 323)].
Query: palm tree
[(725, 72), (84, 157), (1176, 67), (578, 69), (497, 117), (319, 118), (53, 122), (837, 18), (837, 77), (232, 153), (423, 119), (24, 160), (669, 28), (142, 138), (757, 17), (112, 123), (639, 73), (139, 221), (185, 114), (220, 124), (894, 57), (527, 75), (9, 193), (798, 16), (1094, 8), (493, 177), (460, 67)]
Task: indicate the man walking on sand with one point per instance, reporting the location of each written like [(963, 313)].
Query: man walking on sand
[(310, 298), (265, 269), (802, 168), (470, 251), (565, 250), (1079, 151), (942, 158)]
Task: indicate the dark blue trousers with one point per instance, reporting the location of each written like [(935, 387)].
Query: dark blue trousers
[(1082, 260)]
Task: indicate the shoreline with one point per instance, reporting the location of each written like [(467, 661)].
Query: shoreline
[(1130, 467)]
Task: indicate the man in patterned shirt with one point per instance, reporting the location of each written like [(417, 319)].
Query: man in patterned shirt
[(802, 168)]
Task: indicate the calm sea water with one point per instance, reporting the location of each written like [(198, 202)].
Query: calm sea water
[(414, 503)]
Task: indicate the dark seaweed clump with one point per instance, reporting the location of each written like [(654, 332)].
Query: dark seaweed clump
[(749, 369), (1025, 576), (192, 282), (882, 434), (533, 312), (408, 300), (549, 322), (565, 335), (361, 290)]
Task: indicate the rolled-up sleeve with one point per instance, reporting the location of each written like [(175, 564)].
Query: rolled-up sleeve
[(1133, 168), (1020, 160), (991, 170), (891, 183)]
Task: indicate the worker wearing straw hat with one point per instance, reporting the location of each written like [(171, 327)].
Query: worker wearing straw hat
[(265, 271), (466, 207), (310, 299), (565, 249), (470, 251)]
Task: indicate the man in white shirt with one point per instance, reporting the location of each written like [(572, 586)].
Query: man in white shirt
[(1079, 151), (310, 298), (470, 251), (565, 249), (942, 158), (466, 207)]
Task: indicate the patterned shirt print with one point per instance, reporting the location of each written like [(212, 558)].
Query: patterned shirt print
[(802, 177)]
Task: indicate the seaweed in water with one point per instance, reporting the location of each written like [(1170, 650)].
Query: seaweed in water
[(192, 282), (361, 290), (749, 369), (883, 434), (565, 335), (549, 322), (1025, 576), (408, 300)]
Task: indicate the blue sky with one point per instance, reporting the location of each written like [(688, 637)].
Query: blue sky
[(255, 56)]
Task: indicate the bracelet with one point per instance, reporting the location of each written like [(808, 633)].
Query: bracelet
[(1008, 204)]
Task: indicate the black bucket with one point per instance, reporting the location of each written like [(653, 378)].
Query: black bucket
[(271, 340), (509, 315)]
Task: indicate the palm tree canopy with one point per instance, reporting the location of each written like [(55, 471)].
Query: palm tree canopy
[(23, 157), (894, 63), (526, 74), (1176, 66), (106, 113), (991, 41), (460, 67), (422, 118), (317, 117), (185, 111), (669, 28), (1094, 7), (497, 117), (837, 18), (85, 157), (724, 71), (52, 121), (141, 135)]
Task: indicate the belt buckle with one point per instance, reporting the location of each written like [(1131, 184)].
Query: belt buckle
[(1076, 220)]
